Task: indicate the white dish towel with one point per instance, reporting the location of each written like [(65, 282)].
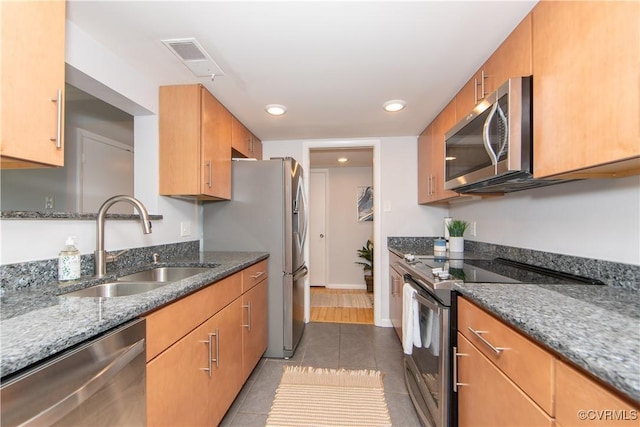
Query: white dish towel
[(410, 320)]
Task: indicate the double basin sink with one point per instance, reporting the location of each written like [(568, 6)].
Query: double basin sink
[(137, 283)]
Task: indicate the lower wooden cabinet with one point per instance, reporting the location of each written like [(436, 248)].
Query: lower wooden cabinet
[(396, 284), (524, 384), (583, 402), (254, 327), (197, 363), (487, 397)]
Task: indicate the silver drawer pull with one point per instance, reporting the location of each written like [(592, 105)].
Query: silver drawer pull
[(58, 138), (456, 384), (258, 274), (208, 369), (496, 350)]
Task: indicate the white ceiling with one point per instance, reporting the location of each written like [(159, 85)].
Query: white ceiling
[(328, 157), (332, 63)]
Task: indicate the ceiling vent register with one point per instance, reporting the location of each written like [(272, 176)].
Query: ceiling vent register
[(193, 55)]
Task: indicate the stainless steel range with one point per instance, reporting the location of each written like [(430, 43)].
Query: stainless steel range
[(430, 351)]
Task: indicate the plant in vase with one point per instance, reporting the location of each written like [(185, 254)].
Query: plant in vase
[(456, 229), (366, 253)]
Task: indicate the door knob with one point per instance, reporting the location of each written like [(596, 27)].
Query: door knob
[(321, 235)]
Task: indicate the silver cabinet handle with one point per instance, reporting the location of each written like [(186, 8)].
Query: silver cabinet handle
[(457, 384), (258, 274), (475, 92), (496, 350), (248, 307), (217, 359), (208, 369), (209, 173), (58, 137)]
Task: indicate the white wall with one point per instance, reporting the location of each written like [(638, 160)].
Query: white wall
[(98, 71), (592, 219)]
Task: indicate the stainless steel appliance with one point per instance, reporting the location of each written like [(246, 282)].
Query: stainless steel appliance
[(268, 212), (430, 368), (491, 149), (100, 383)]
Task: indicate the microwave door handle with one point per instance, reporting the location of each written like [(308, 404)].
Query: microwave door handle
[(486, 138), (505, 135)]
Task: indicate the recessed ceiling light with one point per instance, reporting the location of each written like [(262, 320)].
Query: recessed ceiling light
[(394, 105), (342, 159), (275, 109)]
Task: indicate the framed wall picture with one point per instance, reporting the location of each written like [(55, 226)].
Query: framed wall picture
[(365, 204)]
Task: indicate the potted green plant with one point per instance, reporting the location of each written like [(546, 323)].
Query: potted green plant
[(366, 253), (456, 229)]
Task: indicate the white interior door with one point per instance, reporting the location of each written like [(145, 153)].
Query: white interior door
[(106, 171), (317, 227)]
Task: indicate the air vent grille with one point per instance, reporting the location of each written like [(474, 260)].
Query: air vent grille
[(193, 55)]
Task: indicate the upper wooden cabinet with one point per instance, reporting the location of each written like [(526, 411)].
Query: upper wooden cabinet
[(586, 86), (33, 40), (431, 160), (244, 142), (511, 59), (195, 144)]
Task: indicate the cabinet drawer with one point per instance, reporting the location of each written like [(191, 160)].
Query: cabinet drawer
[(487, 397), (526, 363), (253, 275), (580, 397), (170, 323)]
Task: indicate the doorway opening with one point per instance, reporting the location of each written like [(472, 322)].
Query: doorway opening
[(341, 222)]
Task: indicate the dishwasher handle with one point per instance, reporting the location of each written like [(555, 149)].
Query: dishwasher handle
[(119, 361)]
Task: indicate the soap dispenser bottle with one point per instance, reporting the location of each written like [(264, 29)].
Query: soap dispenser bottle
[(69, 261)]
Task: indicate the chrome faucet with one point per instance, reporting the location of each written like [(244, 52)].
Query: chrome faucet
[(101, 257)]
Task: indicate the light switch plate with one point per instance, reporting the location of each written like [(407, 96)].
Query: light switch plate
[(185, 228)]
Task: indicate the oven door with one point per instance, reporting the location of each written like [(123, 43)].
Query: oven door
[(427, 371)]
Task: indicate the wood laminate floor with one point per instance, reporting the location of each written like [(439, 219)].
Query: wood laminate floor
[(340, 314)]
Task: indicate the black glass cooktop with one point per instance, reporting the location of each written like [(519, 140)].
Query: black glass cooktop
[(499, 270)]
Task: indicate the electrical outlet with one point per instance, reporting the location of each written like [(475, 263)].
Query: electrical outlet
[(473, 228), (48, 202), (185, 228)]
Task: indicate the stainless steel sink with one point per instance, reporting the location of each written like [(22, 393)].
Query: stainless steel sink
[(116, 289), (163, 274), (138, 283)]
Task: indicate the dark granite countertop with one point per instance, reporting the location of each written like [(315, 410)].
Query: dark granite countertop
[(37, 323), (594, 327)]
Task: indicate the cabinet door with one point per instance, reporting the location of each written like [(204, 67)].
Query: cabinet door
[(511, 59), (486, 397), (469, 95), (583, 402), (254, 327), (445, 121), (33, 39), (395, 297), (216, 148), (240, 138), (226, 380), (586, 68), (256, 147), (177, 384), (424, 165)]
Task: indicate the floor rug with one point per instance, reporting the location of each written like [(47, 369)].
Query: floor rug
[(361, 300), (328, 397)]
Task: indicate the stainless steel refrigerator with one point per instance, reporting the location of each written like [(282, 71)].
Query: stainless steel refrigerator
[(268, 212)]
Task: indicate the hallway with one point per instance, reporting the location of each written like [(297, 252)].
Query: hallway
[(330, 345), (332, 313)]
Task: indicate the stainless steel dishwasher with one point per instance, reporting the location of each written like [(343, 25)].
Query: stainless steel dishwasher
[(100, 383)]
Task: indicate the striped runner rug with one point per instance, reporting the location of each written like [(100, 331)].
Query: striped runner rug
[(310, 396)]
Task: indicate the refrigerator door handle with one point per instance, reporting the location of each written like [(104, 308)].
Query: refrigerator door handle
[(300, 272)]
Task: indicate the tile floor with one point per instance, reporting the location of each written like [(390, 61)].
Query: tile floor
[(329, 345)]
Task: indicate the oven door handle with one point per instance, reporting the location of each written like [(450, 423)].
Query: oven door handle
[(426, 302)]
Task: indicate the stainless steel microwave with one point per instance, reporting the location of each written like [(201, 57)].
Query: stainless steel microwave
[(491, 149)]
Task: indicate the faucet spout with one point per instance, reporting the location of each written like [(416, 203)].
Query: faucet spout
[(100, 255)]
